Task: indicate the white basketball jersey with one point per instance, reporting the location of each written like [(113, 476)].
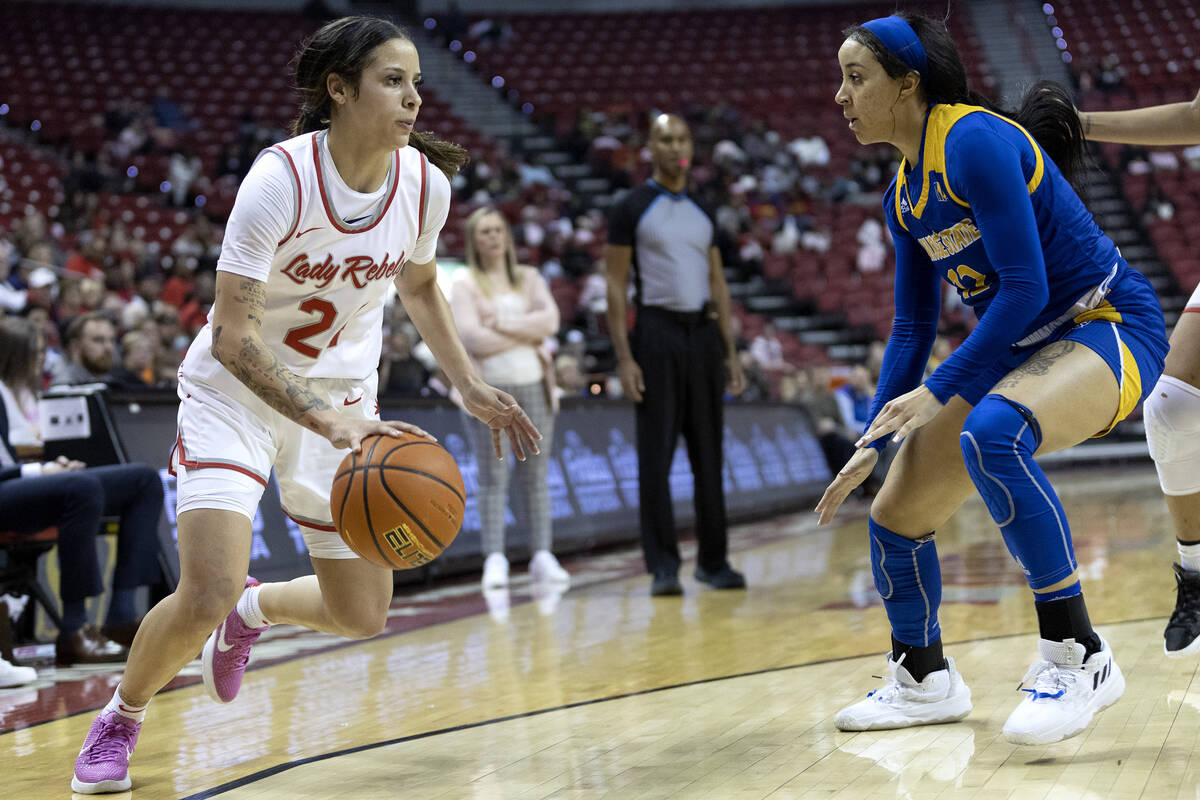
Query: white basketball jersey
[(329, 278)]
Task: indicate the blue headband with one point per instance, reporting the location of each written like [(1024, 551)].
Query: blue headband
[(900, 40)]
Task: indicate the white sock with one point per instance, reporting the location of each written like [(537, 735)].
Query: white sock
[(247, 608), (119, 706), (1189, 556)]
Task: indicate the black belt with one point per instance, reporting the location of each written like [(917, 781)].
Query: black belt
[(687, 318)]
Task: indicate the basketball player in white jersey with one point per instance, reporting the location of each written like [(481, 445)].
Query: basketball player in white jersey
[(283, 376), (1172, 410)]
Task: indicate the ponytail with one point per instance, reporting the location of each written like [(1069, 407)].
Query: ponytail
[(310, 119), (446, 156), (1049, 115), (1046, 110)]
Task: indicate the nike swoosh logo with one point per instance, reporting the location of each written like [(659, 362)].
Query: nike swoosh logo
[(307, 230), (350, 402), (222, 645), (357, 219)]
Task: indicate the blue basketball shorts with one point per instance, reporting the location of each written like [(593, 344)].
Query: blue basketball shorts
[(1130, 336)]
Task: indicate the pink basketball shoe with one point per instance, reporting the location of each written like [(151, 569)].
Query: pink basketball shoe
[(103, 763), (226, 653)]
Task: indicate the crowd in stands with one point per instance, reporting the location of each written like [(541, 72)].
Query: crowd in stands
[(151, 290)]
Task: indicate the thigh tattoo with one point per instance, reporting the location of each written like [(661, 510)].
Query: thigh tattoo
[(1039, 364)]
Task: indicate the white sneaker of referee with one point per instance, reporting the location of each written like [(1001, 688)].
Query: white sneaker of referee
[(1064, 692), (941, 696)]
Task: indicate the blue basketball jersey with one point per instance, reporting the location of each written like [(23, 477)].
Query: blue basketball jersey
[(986, 209)]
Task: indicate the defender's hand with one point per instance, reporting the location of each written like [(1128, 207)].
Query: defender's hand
[(847, 480), (903, 414)]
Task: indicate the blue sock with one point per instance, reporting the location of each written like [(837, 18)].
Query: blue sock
[(998, 442), (121, 608), (909, 580), (74, 615)]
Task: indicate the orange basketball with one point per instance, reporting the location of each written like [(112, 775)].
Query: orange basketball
[(398, 503)]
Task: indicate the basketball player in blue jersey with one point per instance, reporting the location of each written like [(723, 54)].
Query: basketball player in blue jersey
[(1068, 340), (1172, 409)]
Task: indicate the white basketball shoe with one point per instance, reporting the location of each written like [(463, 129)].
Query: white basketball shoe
[(1064, 692), (903, 702)]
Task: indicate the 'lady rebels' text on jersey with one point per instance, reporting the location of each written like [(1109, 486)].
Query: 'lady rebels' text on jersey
[(326, 253)]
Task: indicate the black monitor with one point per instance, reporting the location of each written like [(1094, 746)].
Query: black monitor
[(76, 423)]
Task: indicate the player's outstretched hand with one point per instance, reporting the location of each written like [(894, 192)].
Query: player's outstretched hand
[(500, 412), (349, 432), (846, 481), (903, 414)]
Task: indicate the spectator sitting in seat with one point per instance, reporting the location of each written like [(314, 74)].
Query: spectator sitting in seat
[(400, 373), (89, 344), (136, 372), (854, 398), (767, 350), (73, 497), (836, 438)]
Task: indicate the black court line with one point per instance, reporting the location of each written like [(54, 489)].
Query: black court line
[(254, 777), (520, 599)]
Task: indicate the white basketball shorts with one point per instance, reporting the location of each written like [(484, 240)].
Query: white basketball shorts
[(229, 440)]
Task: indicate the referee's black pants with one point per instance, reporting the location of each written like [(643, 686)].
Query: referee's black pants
[(682, 358)]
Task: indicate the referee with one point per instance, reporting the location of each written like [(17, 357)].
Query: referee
[(681, 352)]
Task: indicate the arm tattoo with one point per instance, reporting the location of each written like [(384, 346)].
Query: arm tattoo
[(253, 294), (1040, 364), (255, 365), (280, 388)]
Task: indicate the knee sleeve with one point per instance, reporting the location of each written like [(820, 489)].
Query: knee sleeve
[(1172, 417), (998, 441), (909, 579), (993, 431)]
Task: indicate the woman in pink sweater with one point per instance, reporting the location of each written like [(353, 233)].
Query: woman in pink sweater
[(505, 312)]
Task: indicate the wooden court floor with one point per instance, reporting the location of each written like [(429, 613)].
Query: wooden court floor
[(611, 694)]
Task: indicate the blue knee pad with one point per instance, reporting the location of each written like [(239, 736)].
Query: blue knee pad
[(998, 441), (909, 580)]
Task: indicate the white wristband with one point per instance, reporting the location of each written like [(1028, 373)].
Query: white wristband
[(31, 470)]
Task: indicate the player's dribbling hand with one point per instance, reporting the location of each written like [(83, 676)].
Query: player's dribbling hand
[(903, 414), (632, 383), (846, 481), (500, 412), (349, 433)]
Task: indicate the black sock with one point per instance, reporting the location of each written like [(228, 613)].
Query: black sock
[(1067, 618), (1187, 543), (919, 661)]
